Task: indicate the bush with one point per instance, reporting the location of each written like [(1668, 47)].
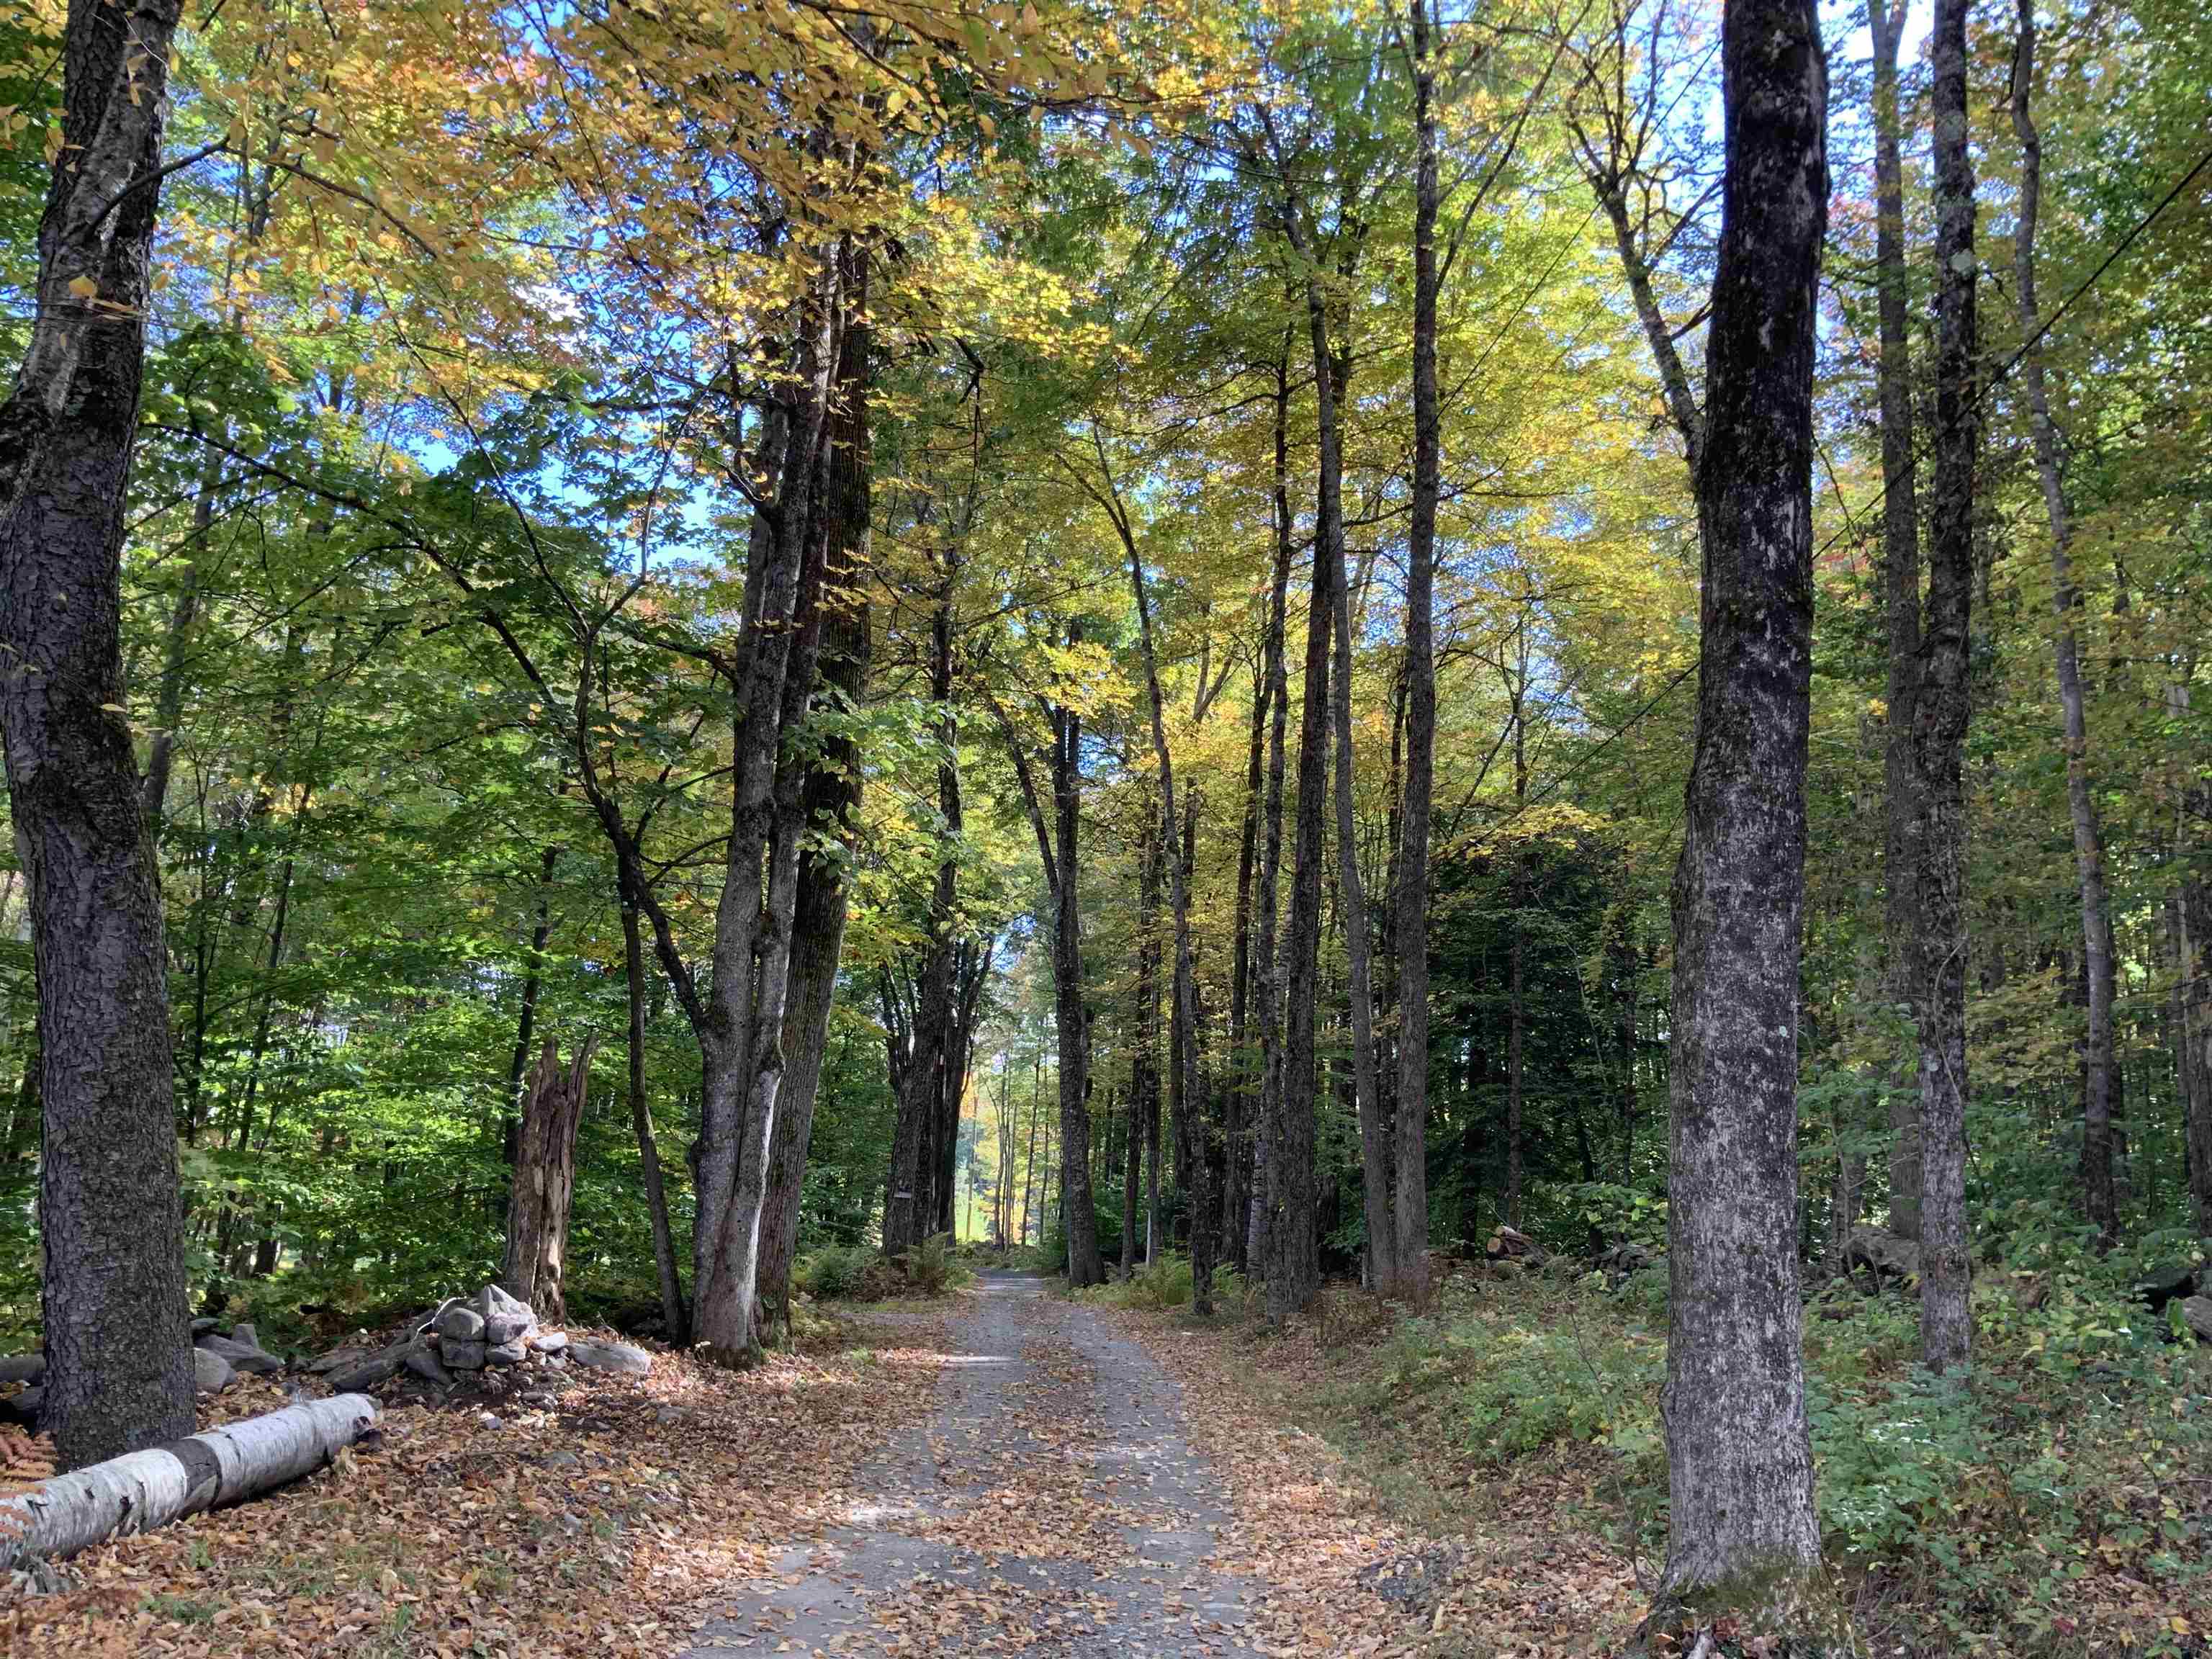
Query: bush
[(834, 1271), (930, 1267)]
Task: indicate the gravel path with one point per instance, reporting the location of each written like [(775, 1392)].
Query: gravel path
[(1053, 1507)]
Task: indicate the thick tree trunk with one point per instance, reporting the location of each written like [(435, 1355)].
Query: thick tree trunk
[(1410, 1154), (832, 797), (1241, 1095), (140, 1491), (1144, 1071), (1742, 1526), (119, 1367), (1940, 718), (779, 649), (545, 1180), (2098, 1188), (1900, 539), (673, 1316)]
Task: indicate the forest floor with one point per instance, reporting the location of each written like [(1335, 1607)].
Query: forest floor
[(1008, 1472)]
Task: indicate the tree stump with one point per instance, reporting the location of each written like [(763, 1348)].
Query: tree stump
[(544, 1179)]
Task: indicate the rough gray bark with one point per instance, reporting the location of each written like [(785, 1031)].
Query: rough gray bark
[(1240, 1099), (526, 1027), (1145, 1072), (139, 1491), (1940, 718), (1900, 541), (832, 797), (778, 650), (1410, 1154), (545, 1180), (119, 1367), (1742, 1527), (2098, 1190)]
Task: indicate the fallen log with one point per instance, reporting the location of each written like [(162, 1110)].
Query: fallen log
[(142, 1490)]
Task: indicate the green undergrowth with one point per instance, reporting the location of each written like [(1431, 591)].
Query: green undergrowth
[(859, 1273), (1159, 1286), (2057, 1501)]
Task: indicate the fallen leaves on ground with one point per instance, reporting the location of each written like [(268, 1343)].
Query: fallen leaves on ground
[(585, 1522), (1518, 1573)]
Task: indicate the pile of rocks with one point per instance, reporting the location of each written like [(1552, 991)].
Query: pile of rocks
[(219, 1360), (464, 1335)]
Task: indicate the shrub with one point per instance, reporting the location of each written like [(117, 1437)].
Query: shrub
[(834, 1271)]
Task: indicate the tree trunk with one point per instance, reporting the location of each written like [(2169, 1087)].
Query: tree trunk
[(1192, 1141), (1741, 1521), (1940, 717), (1265, 1162), (545, 1180), (673, 1317), (1375, 1145), (139, 1491), (1085, 1266), (1900, 525), (1411, 1118), (1294, 1266), (2192, 1037), (119, 1368), (2099, 1191), (1144, 1071), (518, 1065), (832, 797)]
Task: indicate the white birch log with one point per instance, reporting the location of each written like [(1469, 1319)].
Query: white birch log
[(140, 1491)]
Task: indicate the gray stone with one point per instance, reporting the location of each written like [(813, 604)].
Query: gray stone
[(505, 1318), (243, 1356), (2166, 1282), (550, 1342), (202, 1326), (23, 1407), (2197, 1314), (505, 1353), (23, 1367), (212, 1372), (562, 1459), (244, 1331), (458, 1323), (336, 1357), (611, 1357), (1884, 1254), (424, 1364), (462, 1356), (380, 1367)]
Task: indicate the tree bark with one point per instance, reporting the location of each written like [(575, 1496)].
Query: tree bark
[(2192, 1037), (2099, 1188), (1294, 1265), (545, 1180), (673, 1316), (1742, 1523), (1265, 1163), (1085, 1266), (1900, 525), (832, 797), (518, 1065), (139, 1491), (1375, 1144), (1195, 1162), (1940, 718), (1410, 1154), (119, 1368)]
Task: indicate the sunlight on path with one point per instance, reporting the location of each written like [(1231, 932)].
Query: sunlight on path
[(1052, 1507)]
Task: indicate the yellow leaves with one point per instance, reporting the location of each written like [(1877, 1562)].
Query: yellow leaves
[(84, 287)]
